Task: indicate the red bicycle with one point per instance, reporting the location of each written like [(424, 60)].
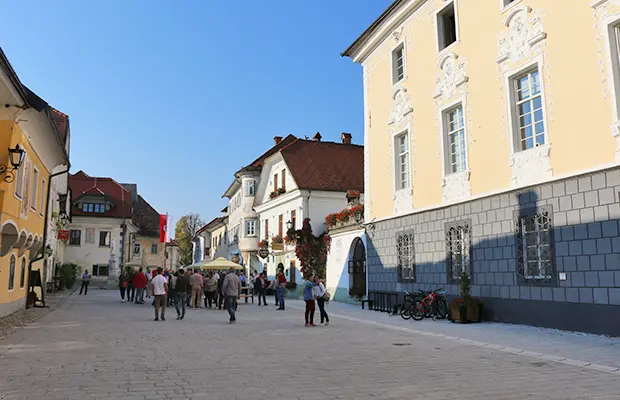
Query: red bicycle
[(434, 304)]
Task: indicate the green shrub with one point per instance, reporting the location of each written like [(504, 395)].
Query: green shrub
[(67, 275)]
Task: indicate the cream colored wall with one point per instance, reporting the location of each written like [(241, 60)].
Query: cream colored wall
[(578, 113)]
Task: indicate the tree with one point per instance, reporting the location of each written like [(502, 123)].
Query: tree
[(311, 251), (185, 230)]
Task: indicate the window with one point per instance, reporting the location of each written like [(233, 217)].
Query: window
[(104, 238), (458, 248), (250, 227), (402, 161), (275, 183), (529, 111), (534, 246), (283, 179), (136, 249), (35, 187), (12, 272), (42, 203), (266, 229), (293, 219), (455, 133), (22, 275), (398, 64), (406, 256), (75, 237), (250, 188), (154, 249), (19, 180), (93, 207), (100, 270), (280, 225), (446, 26)]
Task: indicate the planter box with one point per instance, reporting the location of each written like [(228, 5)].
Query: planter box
[(465, 313), (277, 246)]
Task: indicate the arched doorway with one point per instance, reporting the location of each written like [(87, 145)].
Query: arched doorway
[(357, 269)]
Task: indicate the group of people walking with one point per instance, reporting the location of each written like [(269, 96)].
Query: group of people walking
[(188, 288)]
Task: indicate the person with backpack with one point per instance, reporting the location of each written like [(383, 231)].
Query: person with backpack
[(322, 297)]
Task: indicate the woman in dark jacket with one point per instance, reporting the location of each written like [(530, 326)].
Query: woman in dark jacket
[(123, 281)]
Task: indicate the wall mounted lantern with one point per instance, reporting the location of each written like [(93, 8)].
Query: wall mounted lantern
[(16, 157)]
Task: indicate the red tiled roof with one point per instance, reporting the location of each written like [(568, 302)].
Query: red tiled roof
[(61, 120), (284, 142), (82, 184), (325, 166)]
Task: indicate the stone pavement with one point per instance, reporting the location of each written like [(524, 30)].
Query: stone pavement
[(94, 347)]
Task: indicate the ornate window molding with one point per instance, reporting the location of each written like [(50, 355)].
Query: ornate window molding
[(458, 249), (401, 122), (534, 246), (532, 165), (405, 252), (455, 185), (525, 31), (451, 75), (401, 107)]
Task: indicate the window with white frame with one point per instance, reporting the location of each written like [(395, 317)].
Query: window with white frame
[(401, 155), (446, 26), (406, 256), (534, 245), (35, 187), (250, 227), (136, 249), (456, 148), (250, 188), (528, 111), (398, 64), (19, 181)]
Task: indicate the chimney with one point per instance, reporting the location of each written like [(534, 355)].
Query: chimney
[(346, 138), (317, 137), (277, 139)]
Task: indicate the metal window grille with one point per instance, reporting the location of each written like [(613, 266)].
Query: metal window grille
[(406, 256), (458, 248), (535, 246)]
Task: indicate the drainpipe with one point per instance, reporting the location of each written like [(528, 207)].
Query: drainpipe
[(42, 255)]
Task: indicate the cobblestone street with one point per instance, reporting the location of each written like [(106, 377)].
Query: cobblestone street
[(98, 348)]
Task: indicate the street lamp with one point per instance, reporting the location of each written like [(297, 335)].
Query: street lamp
[(16, 157), (358, 216), (289, 225)]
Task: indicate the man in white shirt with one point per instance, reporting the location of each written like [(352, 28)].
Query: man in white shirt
[(160, 288)]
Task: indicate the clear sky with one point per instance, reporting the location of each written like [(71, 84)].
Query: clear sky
[(177, 96)]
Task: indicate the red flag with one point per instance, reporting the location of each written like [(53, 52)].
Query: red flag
[(163, 227)]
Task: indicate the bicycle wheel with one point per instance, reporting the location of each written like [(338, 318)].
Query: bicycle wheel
[(405, 312), (441, 308), (429, 310), (419, 310)]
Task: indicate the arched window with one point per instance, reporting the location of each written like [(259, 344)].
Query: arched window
[(12, 273), (22, 277)]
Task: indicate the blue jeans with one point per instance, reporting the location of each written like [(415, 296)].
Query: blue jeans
[(180, 298), (280, 292), (139, 295), (231, 306)]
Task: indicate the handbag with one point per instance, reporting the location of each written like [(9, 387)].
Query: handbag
[(326, 296)]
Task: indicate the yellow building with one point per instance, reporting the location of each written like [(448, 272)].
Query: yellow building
[(492, 145), (29, 122)]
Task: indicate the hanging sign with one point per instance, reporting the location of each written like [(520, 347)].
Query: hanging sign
[(63, 235), (263, 253), (235, 259)]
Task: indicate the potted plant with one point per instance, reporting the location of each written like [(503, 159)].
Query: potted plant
[(277, 242), (281, 191), (263, 244), (331, 220), (466, 308)]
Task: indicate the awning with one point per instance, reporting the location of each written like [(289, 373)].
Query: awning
[(218, 264)]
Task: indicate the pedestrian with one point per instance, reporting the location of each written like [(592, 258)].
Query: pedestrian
[(149, 277), (160, 288), (232, 290), (172, 280), (220, 282), (280, 285), (85, 282), (309, 299), (122, 285), (320, 299), (210, 290), (130, 289), (180, 293), (139, 283), (259, 289), (197, 283)]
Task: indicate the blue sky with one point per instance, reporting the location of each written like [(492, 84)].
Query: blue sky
[(176, 98)]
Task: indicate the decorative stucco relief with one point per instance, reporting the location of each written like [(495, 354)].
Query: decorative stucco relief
[(531, 166), (456, 186), (401, 106), (451, 75), (604, 3), (525, 31)]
